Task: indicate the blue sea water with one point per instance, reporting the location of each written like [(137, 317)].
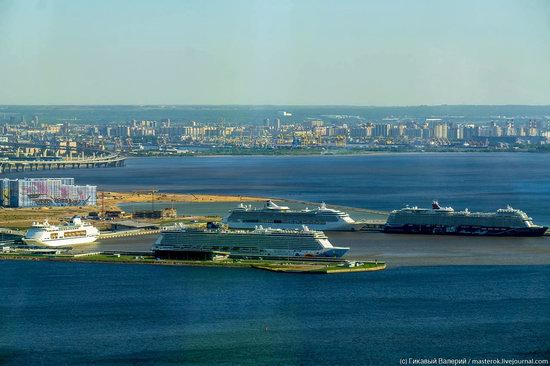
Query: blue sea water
[(477, 181), (67, 313)]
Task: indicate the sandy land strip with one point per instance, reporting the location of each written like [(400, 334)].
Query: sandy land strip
[(112, 199), (22, 218)]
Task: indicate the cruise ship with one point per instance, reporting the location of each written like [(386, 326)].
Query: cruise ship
[(260, 242), (281, 217), (71, 233), (444, 220)]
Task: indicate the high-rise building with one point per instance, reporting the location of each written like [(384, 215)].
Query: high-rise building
[(381, 130), (441, 130), (455, 133), (470, 132), (277, 124), (413, 132)]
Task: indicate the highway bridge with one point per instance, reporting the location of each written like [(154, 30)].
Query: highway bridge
[(111, 160), (47, 146)]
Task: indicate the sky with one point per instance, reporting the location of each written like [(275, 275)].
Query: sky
[(302, 52)]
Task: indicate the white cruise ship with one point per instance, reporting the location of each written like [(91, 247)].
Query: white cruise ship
[(71, 233), (176, 241), (444, 220), (281, 217)]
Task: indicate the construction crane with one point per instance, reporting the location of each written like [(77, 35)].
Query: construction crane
[(341, 141), (129, 144), (118, 144), (162, 141), (152, 192)]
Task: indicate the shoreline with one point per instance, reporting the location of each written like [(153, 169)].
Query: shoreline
[(113, 198), (337, 153), (320, 155), (22, 218), (159, 200)]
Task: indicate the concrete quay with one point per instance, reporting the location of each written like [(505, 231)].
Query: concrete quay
[(126, 233)]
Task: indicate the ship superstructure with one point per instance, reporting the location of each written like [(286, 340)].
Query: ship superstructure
[(445, 220), (74, 232), (260, 242), (282, 217)]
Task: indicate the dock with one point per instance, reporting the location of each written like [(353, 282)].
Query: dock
[(370, 225), (127, 233), (116, 257)]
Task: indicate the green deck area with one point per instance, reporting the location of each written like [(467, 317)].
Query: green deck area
[(271, 265), (320, 268)]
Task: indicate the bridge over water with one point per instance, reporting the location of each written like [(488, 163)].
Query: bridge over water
[(83, 157), (111, 160)]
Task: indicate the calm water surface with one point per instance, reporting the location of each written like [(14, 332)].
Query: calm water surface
[(477, 181), (63, 313)]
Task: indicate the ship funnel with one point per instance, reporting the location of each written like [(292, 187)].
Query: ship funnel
[(435, 205), (271, 204)]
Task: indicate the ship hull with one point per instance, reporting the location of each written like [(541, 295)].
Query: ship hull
[(266, 244), (60, 242), (465, 230), (329, 226), (335, 252)]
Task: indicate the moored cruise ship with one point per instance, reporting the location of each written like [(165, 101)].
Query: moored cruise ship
[(444, 220), (174, 242), (71, 233), (281, 217)]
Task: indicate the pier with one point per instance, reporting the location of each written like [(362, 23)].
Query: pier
[(127, 233), (12, 232)]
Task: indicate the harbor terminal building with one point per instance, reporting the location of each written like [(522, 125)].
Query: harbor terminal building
[(36, 192)]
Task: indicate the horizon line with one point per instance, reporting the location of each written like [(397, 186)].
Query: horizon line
[(275, 105)]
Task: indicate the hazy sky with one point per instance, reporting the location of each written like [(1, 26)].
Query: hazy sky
[(274, 52)]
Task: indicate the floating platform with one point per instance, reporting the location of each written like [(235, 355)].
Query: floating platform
[(322, 268)]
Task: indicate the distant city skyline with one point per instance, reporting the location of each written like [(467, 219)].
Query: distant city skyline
[(244, 52)]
